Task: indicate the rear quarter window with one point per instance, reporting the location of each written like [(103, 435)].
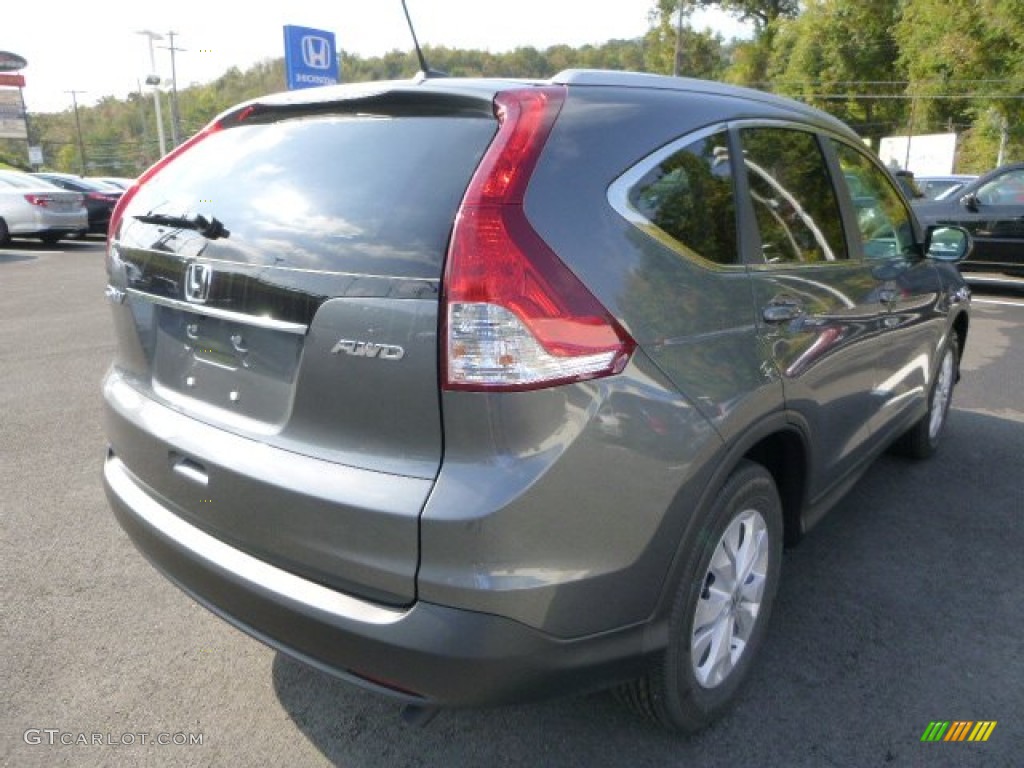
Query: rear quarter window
[(686, 200)]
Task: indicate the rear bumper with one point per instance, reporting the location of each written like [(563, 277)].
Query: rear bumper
[(43, 222), (424, 654)]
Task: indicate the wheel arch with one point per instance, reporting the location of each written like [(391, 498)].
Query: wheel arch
[(784, 454), (961, 323), (779, 444)]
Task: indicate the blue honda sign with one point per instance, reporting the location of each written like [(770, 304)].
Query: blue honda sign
[(310, 57)]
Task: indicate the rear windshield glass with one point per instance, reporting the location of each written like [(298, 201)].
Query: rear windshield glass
[(363, 195)]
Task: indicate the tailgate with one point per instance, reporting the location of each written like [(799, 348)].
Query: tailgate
[(297, 334)]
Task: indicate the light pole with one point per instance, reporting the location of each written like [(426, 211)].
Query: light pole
[(154, 80), (175, 116)]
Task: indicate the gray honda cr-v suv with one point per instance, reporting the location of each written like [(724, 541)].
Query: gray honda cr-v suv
[(471, 391)]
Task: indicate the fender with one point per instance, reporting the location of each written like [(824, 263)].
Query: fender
[(724, 462)]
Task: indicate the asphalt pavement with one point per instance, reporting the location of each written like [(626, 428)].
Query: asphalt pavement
[(903, 607)]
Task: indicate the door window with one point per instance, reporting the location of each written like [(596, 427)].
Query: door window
[(1007, 189), (883, 221), (794, 202)]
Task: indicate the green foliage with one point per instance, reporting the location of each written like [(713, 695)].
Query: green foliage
[(700, 54), (976, 56), (836, 55), (762, 13), (120, 136), (882, 65), (9, 161)]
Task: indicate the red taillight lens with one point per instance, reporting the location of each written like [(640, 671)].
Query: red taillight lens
[(102, 197), (516, 317), (118, 213), (41, 200)]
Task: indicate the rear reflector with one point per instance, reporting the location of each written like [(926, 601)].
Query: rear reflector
[(516, 317)]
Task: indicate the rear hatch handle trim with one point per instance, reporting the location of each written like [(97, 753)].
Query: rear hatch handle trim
[(257, 321), (189, 469), (236, 564)]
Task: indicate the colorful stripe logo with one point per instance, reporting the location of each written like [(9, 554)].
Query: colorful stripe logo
[(958, 730)]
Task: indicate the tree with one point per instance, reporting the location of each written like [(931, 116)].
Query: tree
[(968, 70), (837, 55), (761, 13), (750, 59)]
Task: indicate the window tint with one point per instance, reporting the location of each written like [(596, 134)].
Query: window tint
[(367, 195), (792, 195), (1007, 189), (882, 219), (689, 197)]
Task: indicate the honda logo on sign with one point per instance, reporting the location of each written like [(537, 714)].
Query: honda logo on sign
[(310, 57), (197, 282), (316, 52)]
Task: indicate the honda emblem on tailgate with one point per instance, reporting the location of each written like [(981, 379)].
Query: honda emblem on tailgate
[(197, 282)]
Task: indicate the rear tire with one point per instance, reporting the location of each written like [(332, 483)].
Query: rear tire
[(922, 440), (5, 234), (721, 607)]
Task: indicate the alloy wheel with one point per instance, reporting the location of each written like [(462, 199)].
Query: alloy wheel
[(941, 395), (730, 600)]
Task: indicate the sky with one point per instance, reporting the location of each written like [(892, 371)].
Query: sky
[(93, 48)]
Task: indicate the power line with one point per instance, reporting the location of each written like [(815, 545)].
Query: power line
[(910, 96)]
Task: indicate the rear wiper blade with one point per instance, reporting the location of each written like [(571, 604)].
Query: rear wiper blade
[(210, 228)]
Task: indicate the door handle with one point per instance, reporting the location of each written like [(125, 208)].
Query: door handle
[(888, 295), (782, 309)]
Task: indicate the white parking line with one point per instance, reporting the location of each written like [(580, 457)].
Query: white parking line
[(997, 302), (1004, 280)]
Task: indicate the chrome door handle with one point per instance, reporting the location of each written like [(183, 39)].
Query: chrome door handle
[(888, 295), (782, 309)]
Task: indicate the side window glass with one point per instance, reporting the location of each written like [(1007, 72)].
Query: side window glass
[(793, 198), (688, 198), (882, 218), (1008, 189)]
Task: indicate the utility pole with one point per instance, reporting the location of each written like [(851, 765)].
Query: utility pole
[(28, 126), (78, 127), (910, 133), (153, 79), (175, 115), (679, 40), (1004, 137)]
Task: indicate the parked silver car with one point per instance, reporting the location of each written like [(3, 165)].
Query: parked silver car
[(32, 207)]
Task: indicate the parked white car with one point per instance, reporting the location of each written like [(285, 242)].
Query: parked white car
[(31, 207)]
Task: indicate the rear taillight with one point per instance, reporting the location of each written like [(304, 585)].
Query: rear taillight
[(41, 200), (101, 197), (118, 213), (516, 318)]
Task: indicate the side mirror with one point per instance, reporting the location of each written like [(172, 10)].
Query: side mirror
[(950, 244), (970, 202)]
